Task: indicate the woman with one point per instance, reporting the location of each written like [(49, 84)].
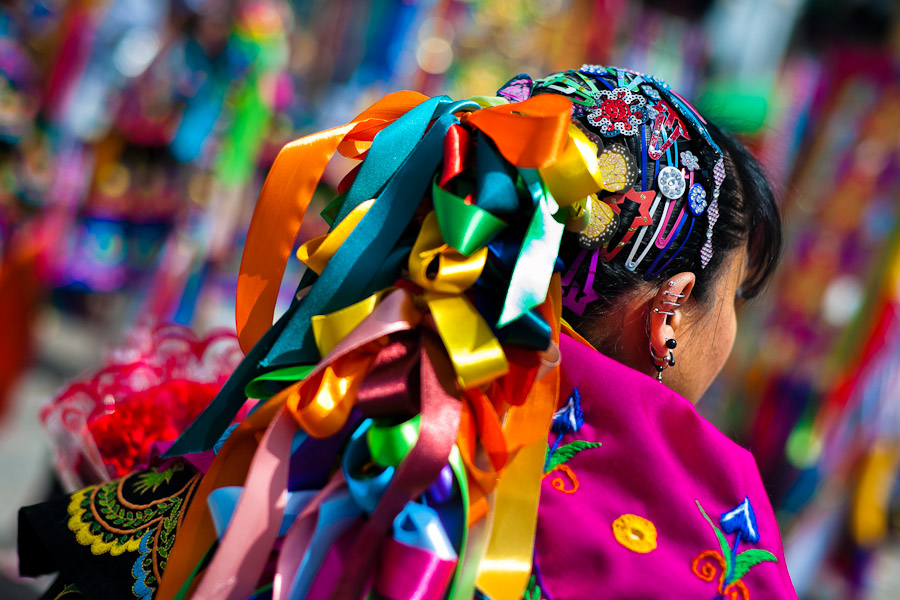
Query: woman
[(663, 475), (431, 427)]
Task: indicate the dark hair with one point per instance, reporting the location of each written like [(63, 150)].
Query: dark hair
[(748, 217)]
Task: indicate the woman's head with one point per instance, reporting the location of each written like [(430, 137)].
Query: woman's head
[(713, 235)]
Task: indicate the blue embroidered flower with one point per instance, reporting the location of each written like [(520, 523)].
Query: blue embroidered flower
[(741, 520), (570, 417)]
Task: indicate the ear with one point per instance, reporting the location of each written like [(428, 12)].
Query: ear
[(671, 297)]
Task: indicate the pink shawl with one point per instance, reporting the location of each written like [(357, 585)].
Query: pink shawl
[(665, 507)]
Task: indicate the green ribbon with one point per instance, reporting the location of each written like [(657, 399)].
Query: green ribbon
[(268, 384), (389, 444), (537, 256), (462, 587), (330, 212), (466, 227)]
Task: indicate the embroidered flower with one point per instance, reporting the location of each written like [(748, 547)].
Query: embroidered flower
[(566, 420), (618, 111), (635, 533), (689, 160), (727, 563)]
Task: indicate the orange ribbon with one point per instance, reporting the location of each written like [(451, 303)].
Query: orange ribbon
[(530, 134), (283, 202)]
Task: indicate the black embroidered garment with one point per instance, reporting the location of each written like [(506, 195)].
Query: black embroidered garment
[(110, 540)]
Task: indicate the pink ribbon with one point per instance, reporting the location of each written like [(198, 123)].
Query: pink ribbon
[(410, 573), (296, 541), (241, 558), (334, 565)]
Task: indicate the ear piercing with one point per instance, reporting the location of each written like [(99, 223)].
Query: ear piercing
[(661, 363)]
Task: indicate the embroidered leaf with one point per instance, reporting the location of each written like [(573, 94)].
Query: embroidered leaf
[(533, 591), (748, 559), (723, 543), (563, 454)]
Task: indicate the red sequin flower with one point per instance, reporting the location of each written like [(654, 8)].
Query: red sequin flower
[(618, 112)]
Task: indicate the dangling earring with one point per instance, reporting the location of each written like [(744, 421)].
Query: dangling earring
[(661, 363)]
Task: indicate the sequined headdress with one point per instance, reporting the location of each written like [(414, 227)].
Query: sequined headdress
[(659, 171)]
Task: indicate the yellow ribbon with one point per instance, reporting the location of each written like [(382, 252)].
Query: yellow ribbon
[(488, 101), (455, 272), (330, 329), (577, 172), (869, 518), (316, 253), (476, 354), (506, 566)]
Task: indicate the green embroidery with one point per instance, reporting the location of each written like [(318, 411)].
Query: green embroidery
[(723, 543), (117, 517), (564, 454), (727, 566), (533, 591), (750, 558), (151, 480)]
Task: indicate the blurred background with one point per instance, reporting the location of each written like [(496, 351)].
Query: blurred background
[(135, 136)]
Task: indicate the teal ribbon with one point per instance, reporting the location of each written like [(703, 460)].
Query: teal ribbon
[(390, 148), (349, 274), (357, 267), (537, 256), (495, 190), (203, 433)]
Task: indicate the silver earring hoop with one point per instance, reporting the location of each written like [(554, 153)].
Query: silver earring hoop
[(656, 357), (673, 294), (664, 312), (661, 363)]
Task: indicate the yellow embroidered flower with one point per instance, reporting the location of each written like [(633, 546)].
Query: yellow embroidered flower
[(635, 533)]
